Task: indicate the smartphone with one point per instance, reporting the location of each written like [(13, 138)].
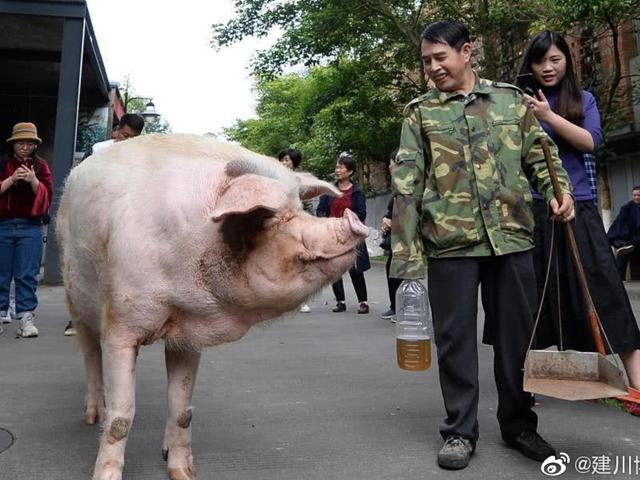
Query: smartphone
[(527, 82)]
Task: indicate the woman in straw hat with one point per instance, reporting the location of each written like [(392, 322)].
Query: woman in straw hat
[(25, 196)]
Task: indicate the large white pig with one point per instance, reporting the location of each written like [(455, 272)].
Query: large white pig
[(191, 240)]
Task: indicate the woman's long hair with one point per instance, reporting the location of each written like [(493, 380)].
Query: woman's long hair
[(569, 103)]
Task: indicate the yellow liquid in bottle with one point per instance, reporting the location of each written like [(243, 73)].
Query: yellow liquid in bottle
[(413, 355)]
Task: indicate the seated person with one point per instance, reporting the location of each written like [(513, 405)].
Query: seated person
[(624, 233)]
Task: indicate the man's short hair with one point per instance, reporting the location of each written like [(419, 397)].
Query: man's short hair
[(637, 187), (134, 121), (294, 155), (451, 32)]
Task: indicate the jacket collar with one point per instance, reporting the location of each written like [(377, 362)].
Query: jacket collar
[(356, 187), (481, 87)]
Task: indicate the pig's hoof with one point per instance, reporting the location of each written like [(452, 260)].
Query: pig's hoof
[(108, 472), (183, 473), (92, 416), (181, 466)]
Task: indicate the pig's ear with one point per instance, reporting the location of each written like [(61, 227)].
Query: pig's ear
[(310, 186), (248, 193)]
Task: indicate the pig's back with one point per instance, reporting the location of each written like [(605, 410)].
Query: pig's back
[(142, 174), (155, 181), (136, 213)]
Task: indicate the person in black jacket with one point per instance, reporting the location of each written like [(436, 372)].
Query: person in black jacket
[(385, 227), (624, 233), (352, 198)]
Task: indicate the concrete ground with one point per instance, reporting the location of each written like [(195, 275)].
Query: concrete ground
[(308, 397)]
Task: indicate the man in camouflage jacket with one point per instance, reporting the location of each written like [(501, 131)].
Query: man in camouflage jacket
[(468, 149)]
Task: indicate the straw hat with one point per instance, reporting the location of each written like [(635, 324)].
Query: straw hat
[(24, 131)]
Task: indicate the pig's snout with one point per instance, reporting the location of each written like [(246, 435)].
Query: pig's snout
[(344, 234), (356, 226)]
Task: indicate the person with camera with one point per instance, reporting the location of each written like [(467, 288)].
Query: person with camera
[(569, 115), (26, 190)]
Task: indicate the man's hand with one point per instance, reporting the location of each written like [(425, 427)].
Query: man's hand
[(564, 212)]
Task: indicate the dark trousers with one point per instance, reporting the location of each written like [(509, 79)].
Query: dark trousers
[(392, 285), (509, 300), (359, 285)]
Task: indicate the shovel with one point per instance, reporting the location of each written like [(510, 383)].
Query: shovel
[(568, 374)]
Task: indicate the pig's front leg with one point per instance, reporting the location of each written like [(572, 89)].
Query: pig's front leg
[(182, 368), (119, 363)]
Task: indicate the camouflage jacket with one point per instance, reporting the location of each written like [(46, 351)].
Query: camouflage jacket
[(461, 184)]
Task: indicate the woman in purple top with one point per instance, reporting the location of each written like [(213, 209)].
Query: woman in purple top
[(570, 117)]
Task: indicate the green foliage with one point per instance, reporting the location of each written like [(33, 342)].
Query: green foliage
[(317, 30), (157, 126), (589, 13), (88, 134), (341, 107), (364, 63)]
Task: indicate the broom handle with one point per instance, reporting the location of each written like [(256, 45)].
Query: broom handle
[(594, 320)]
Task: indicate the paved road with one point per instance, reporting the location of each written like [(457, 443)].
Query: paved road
[(308, 397)]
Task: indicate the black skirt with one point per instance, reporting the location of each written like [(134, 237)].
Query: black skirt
[(606, 289)]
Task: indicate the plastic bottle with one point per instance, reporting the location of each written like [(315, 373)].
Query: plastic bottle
[(414, 328)]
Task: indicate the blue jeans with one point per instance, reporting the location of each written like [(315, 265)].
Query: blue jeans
[(20, 255)]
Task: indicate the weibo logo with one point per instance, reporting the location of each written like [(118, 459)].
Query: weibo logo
[(555, 466)]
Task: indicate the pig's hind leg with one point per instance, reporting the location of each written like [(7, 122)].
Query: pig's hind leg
[(182, 367), (90, 344)]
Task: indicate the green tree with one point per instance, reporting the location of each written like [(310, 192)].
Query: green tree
[(340, 107), (383, 33), (382, 38)]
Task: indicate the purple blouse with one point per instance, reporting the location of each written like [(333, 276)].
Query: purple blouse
[(572, 159)]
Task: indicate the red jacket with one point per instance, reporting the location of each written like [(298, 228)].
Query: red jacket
[(19, 201)]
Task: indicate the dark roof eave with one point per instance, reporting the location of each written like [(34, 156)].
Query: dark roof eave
[(47, 8), (96, 59), (65, 9)]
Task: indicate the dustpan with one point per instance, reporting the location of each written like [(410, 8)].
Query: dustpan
[(569, 374)]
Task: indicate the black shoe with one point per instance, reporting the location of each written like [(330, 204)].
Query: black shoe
[(389, 314), (363, 308), (456, 453), (532, 445), (340, 307), (625, 250)]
